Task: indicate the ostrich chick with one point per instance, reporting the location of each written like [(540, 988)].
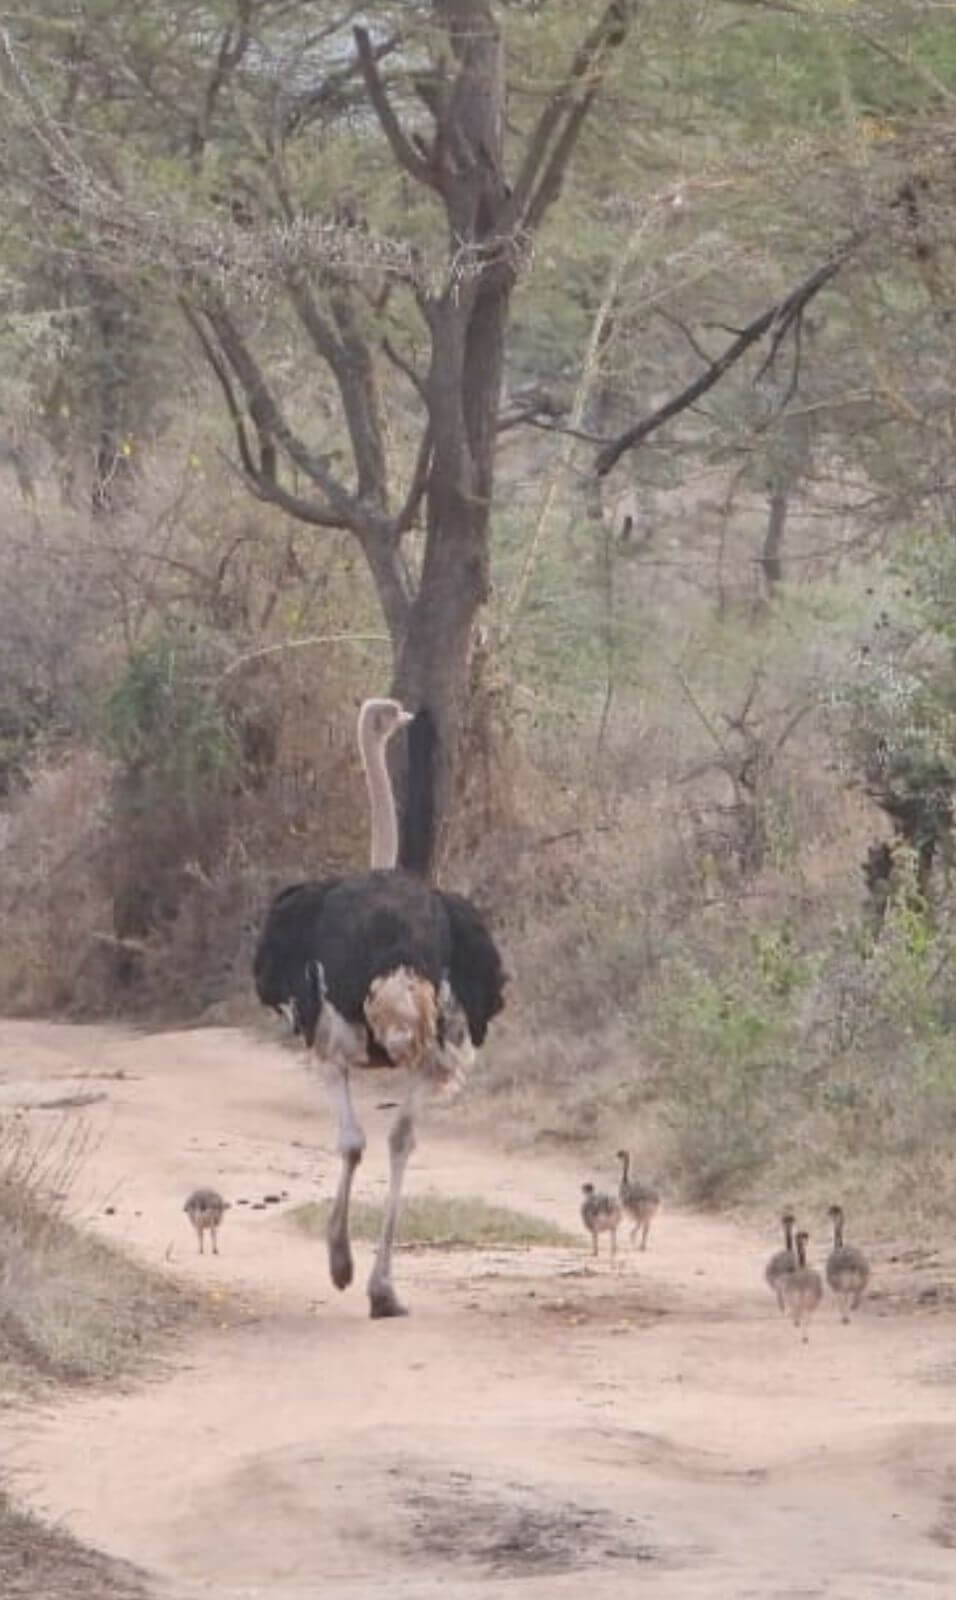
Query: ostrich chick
[(782, 1261), (848, 1271), (600, 1213), (205, 1208), (639, 1200), (802, 1288)]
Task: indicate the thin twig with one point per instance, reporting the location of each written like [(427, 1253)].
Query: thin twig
[(405, 366), (589, 371), (681, 326), (609, 32), (300, 644)]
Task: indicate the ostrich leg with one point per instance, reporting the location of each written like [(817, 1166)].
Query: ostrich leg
[(383, 1301), (351, 1147)]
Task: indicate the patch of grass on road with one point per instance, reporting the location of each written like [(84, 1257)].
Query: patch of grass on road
[(443, 1221)]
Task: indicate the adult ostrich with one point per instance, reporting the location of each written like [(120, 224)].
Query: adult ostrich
[(381, 969), (378, 720)]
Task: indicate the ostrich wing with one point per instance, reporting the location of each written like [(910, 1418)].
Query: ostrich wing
[(282, 966), (475, 971)]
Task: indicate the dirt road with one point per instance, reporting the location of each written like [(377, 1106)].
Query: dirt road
[(534, 1427)]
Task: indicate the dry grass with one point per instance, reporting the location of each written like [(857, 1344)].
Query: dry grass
[(41, 1563), (71, 1308), (442, 1221), (74, 1310), (52, 901)]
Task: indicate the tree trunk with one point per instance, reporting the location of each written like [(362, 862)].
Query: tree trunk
[(463, 395), (790, 455), (112, 379), (432, 669), (771, 559)]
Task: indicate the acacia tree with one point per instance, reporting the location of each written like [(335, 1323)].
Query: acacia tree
[(238, 94), (459, 158)]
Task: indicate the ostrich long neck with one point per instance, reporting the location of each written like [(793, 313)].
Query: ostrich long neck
[(625, 1161), (838, 1233), (381, 801)]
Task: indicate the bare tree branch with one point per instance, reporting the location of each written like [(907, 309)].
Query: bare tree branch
[(260, 480), (698, 711), (403, 150), (316, 325), (737, 721), (360, 399), (269, 420), (269, 491), (416, 488), (681, 326), (528, 419), (609, 32), (329, 94), (232, 47), (552, 178), (405, 366), (910, 62), (347, 354), (780, 317), (229, 394), (793, 722)]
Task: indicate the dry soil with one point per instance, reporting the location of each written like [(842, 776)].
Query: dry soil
[(536, 1427)]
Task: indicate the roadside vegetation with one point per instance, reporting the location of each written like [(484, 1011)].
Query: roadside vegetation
[(705, 783), (42, 1563), (72, 1309)]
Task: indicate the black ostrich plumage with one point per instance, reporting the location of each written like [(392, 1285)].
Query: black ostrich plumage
[(359, 928)]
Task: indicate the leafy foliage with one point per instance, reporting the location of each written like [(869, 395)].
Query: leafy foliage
[(160, 716), (678, 867)]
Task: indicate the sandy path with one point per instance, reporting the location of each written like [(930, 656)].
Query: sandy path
[(533, 1427)]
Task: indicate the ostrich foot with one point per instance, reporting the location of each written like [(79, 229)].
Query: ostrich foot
[(341, 1269), (383, 1302)]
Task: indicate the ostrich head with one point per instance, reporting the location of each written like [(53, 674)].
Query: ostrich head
[(377, 721)]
